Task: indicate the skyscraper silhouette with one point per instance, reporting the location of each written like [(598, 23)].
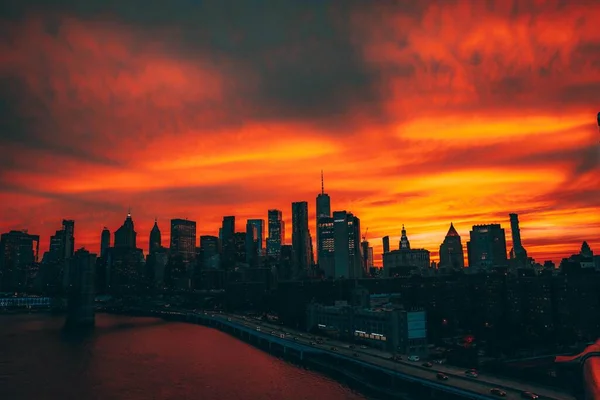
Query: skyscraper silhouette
[(126, 236), (104, 242), (155, 241), (276, 227), (183, 239), (228, 242), (487, 247), (347, 251), (301, 242), (451, 251), (323, 210), (519, 252)]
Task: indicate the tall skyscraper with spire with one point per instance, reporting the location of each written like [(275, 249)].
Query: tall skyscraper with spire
[(324, 228), (155, 238)]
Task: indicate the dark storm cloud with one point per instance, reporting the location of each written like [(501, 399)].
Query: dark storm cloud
[(291, 59), (33, 128)]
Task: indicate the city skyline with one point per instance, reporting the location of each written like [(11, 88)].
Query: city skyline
[(416, 119), (143, 244)]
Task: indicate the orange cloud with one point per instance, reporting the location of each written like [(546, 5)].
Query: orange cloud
[(418, 114)]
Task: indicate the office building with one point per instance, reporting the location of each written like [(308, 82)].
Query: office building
[(155, 241), (451, 251), (183, 239), (285, 266), (406, 261), (260, 235), (228, 245), (17, 257), (209, 251), (347, 251), (239, 240), (276, 237), (386, 244), (326, 256), (301, 240), (125, 236), (395, 330), (251, 243), (487, 247), (104, 242), (69, 238)]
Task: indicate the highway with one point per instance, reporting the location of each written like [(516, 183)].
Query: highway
[(457, 378)]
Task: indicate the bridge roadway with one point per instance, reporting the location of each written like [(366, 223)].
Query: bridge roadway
[(458, 383)]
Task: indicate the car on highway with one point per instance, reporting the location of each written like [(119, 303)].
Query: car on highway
[(414, 358), (529, 395), (355, 355), (427, 365), (352, 346), (442, 377), (498, 392), (471, 373), (333, 348), (363, 347), (313, 343)]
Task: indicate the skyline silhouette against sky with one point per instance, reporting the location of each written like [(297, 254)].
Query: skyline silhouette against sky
[(420, 113)]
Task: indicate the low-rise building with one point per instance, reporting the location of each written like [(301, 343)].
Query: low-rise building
[(395, 330)]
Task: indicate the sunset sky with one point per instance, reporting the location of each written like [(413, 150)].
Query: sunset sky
[(420, 113)]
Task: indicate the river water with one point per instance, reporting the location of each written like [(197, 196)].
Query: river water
[(144, 358)]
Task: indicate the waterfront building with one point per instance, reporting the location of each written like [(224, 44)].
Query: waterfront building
[(81, 292), (394, 329), (17, 257)]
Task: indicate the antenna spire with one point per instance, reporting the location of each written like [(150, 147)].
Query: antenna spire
[(322, 184)]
